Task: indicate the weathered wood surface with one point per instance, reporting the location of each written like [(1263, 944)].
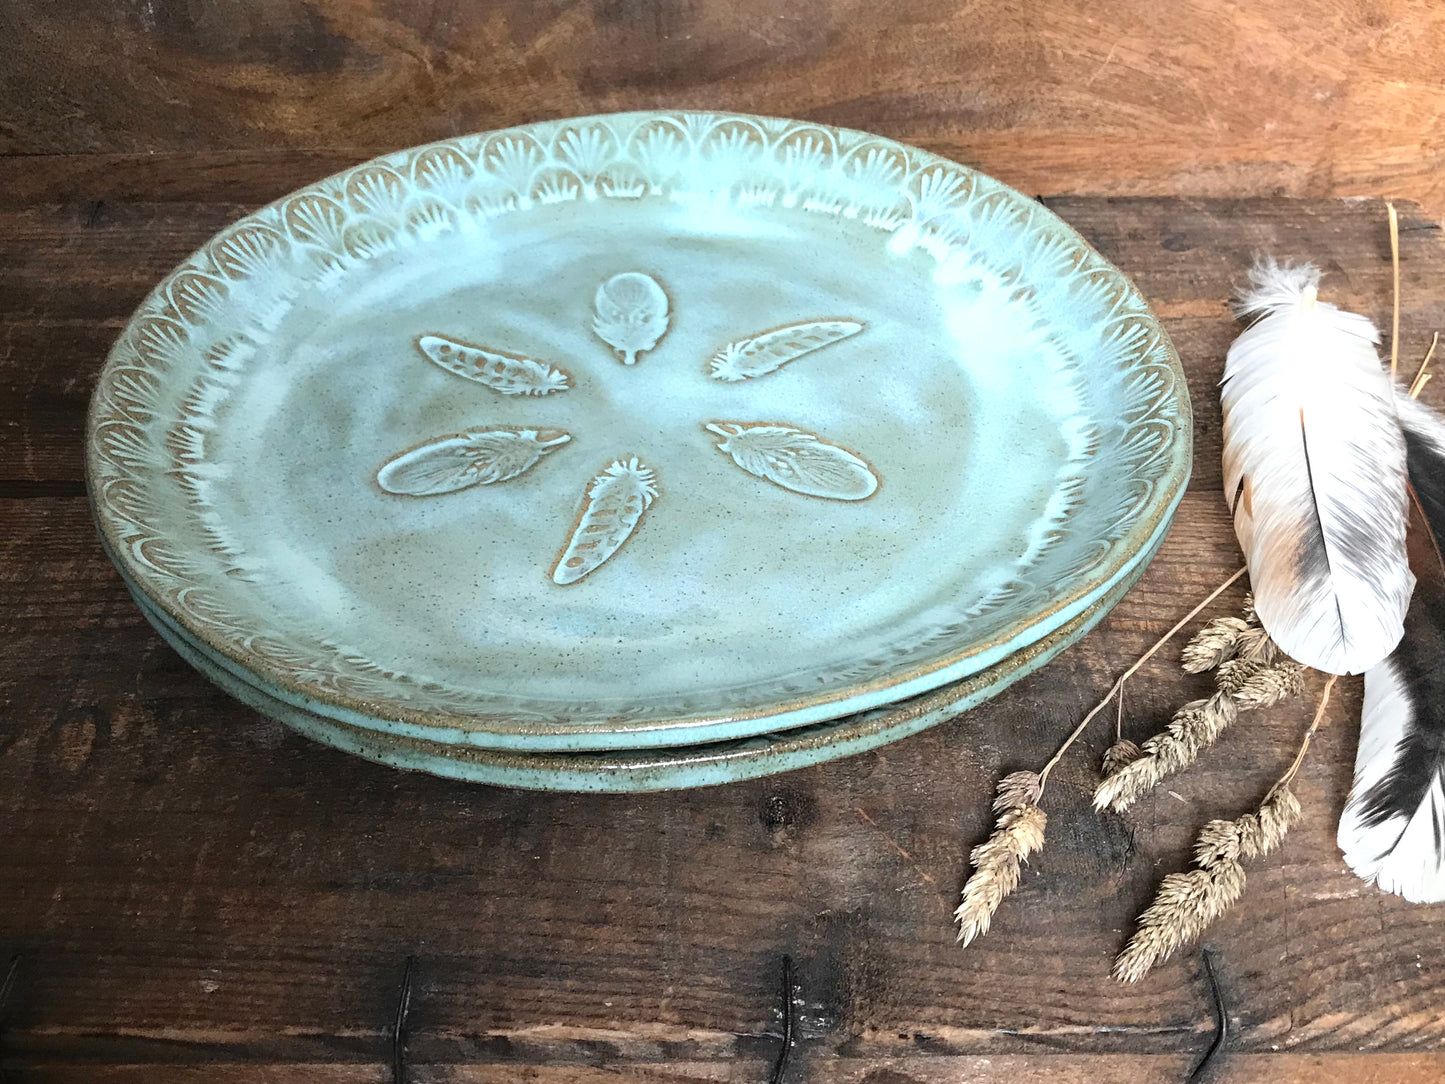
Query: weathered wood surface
[(942, 1069), (1191, 97), (200, 895)]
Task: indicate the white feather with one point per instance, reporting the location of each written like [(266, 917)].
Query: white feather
[(1314, 472), (1392, 831)]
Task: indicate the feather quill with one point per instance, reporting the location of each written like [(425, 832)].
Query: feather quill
[(1393, 828), (1314, 473)]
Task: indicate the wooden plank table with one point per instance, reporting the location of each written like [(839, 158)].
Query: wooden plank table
[(198, 895), (1124, 97)]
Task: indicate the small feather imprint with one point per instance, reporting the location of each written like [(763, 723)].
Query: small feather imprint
[(510, 374), (616, 499), (478, 457), (771, 350), (796, 460)]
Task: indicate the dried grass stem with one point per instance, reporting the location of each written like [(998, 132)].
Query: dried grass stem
[(1395, 270), (1127, 674), (1250, 674), (1188, 902)]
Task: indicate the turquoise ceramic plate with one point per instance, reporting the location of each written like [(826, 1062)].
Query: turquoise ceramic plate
[(641, 430), (657, 768)]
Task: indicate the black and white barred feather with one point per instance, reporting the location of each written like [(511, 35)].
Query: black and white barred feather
[(1393, 828)]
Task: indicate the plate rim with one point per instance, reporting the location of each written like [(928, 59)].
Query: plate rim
[(636, 771), (471, 743)]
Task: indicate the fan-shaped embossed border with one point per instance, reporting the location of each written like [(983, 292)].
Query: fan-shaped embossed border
[(153, 408)]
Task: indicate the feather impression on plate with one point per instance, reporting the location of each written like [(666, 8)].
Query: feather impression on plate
[(769, 351), (1393, 828), (478, 457), (630, 314), (1314, 472), (613, 508), (510, 374), (796, 460)]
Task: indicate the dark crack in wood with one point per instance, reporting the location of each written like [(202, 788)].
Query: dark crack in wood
[(1221, 1020)]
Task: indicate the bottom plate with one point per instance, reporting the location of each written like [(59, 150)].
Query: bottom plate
[(659, 769)]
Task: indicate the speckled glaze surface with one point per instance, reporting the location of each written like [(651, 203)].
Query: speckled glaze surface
[(645, 429), (658, 768)]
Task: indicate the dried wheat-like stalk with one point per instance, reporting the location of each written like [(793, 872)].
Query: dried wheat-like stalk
[(1193, 727), (1243, 682), (1019, 832), (998, 860), (1187, 903), (1119, 755), (1228, 638), (1222, 641), (1217, 642)]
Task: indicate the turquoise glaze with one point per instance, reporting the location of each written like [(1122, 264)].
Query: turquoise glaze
[(634, 431), (660, 768)]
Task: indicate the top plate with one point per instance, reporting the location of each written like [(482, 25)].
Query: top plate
[(639, 429)]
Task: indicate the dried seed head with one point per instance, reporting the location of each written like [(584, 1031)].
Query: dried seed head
[(997, 867), (1199, 722), (1217, 642), (1122, 787), (1263, 831), (1268, 685), (1235, 673), (1188, 902), (1193, 727), (1256, 646), (1184, 907), (1242, 684), (1123, 752), (1219, 841), (1017, 790)]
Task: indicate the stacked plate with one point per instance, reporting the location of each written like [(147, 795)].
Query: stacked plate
[(637, 451)]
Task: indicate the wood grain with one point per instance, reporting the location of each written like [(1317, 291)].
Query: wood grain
[(199, 894), (1196, 97), (1052, 1068)]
